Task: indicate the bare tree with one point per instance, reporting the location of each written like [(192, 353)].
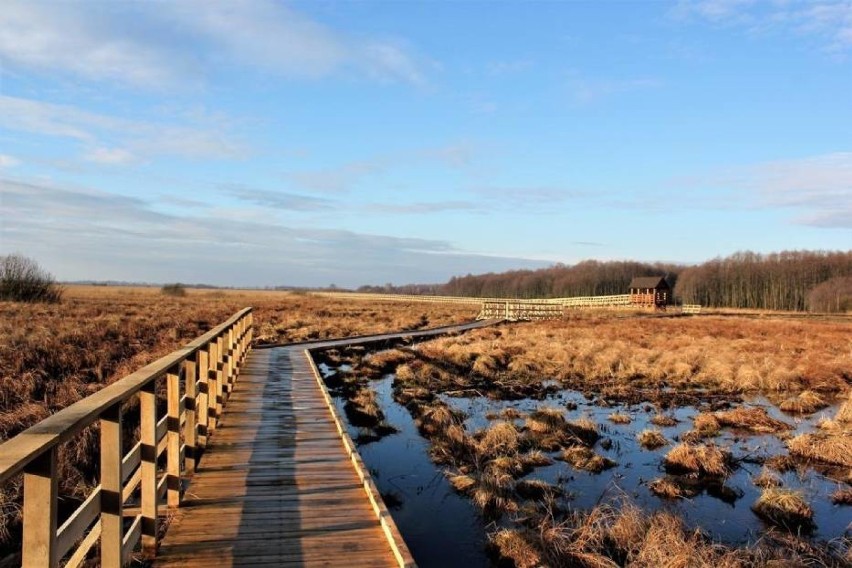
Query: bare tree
[(23, 280)]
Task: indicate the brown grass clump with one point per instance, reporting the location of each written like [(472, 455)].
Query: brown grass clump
[(668, 488), (752, 419), (545, 421), (843, 496), (535, 458), (536, 489), (493, 492), (834, 448), (462, 482), (619, 418), (586, 459), (500, 439), (585, 429), (781, 463), (511, 414), (784, 508), (706, 424), (663, 420), (844, 413), (701, 459), (806, 402), (517, 547), (766, 478), (652, 439)]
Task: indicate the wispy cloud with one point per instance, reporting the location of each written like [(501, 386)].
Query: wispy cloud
[(818, 189), (81, 233), (344, 177), (277, 199), (114, 140), (145, 46), (585, 90), (425, 207), (7, 161), (830, 21)]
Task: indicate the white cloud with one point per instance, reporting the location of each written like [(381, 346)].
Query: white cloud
[(161, 44), (7, 161), (109, 139), (587, 90), (818, 189), (110, 156), (87, 234), (830, 21)]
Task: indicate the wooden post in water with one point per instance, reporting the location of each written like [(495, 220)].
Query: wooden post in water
[(41, 492)]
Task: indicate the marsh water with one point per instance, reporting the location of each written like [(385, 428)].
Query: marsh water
[(444, 528)]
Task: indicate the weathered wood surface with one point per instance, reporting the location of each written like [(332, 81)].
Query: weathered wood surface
[(276, 485)]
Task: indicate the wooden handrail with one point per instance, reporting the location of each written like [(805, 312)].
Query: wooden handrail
[(207, 366)]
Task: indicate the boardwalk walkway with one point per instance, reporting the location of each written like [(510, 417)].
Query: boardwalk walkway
[(280, 483)]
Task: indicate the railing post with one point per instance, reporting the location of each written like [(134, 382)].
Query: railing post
[(41, 491), (212, 388), (112, 502), (203, 396), (173, 439), (220, 377), (190, 430), (148, 437)]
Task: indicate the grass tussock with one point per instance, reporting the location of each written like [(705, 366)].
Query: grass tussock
[(652, 439), (844, 413), (784, 508), (663, 420), (619, 418), (701, 459), (581, 457), (806, 402), (834, 448), (706, 424), (668, 488), (501, 439), (518, 547), (781, 463), (766, 478), (536, 489), (545, 421), (842, 496), (752, 419)]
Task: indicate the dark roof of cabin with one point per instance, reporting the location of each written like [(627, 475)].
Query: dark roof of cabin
[(649, 282)]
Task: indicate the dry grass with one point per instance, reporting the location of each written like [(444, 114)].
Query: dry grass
[(725, 354), (843, 496), (766, 478), (545, 421), (668, 488), (586, 459), (701, 459), (784, 508), (619, 418), (517, 547), (663, 420), (652, 439), (844, 413), (536, 489), (834, 448), (706, 424), (751, 419), (52, 355), (806, 402), (501, 439)]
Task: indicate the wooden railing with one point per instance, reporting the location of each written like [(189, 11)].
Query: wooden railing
[(597, 301), (520, 310), (198, 379), (691, 308)]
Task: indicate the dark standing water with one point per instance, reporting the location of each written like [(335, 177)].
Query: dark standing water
[(443, 528), (440, 527)]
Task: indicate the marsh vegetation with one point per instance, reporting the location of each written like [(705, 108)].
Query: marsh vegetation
[(606, 440)]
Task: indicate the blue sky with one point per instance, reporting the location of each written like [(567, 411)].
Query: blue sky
[(309, 143)]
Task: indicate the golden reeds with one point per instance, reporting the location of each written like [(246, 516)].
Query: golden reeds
[(699, 458), (783, 507), (652, 439), (833, 448)]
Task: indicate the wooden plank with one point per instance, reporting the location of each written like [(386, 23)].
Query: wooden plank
[(148, 437), (74, 528), (173, 412), (190, 427)]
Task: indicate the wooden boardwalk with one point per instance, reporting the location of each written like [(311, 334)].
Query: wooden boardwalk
[(280, 483), (276, 485)]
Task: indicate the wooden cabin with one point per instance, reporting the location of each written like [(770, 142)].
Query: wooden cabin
[(650, 291)]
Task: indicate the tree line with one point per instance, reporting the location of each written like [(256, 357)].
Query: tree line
[(788, 280)]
